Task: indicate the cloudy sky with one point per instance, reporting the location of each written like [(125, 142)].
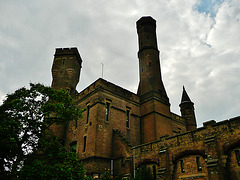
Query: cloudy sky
[(199, 42)]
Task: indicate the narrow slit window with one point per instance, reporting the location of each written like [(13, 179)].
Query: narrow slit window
[(112, 167), (127, 118), (88, 109), (84, 143), (107, 108), (199, 167), (63, 62), (182, 166)]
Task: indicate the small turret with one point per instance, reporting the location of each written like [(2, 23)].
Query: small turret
[(66, 68), (187, 111)]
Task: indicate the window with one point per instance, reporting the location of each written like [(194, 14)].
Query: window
[(199, 167), (182, 166), (88, 109), (237, 153), (84, 143), (107, 108), (112, 162), (63, 62), (127, 118), (73, 146)]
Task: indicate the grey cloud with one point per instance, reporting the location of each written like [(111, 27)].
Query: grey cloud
[(194, 51)]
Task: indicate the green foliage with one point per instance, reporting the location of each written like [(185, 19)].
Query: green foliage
[(25, 116), (106, 175), (143, 173), (54, 161)]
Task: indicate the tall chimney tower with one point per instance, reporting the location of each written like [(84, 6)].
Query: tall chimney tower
[(149, 63), (155, 106)]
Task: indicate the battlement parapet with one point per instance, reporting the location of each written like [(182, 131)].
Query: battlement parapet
[(211, 130), (108, 86), (68, 51)]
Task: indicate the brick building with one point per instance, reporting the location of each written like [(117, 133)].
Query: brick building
[(121, 130)]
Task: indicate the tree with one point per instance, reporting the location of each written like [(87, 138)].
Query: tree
[(25, 117), (54, 161)]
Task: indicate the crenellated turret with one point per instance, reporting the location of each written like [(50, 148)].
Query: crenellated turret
[(66, 68)]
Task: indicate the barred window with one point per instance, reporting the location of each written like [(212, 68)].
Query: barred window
[(107, 108), (182, 166), (127, 119), (88, 109), (199, 167)]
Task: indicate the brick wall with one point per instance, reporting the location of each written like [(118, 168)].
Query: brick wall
[(214, 144), (99, 132)]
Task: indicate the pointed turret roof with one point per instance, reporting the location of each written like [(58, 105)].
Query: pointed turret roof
[(185, 97)]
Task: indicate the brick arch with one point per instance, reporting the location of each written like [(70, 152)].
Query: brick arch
[(146, 161), (190, 155), (229, 146), (185, 153)]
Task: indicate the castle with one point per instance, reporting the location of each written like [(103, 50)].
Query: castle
[(122, 131)]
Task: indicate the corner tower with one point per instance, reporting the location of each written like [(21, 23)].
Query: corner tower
[(66, 68), (155, 106), (187, 111)]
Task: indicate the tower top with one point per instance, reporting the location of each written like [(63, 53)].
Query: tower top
[(185, 97), (66, 68), (146, 20), (146, 29), (69, 51)]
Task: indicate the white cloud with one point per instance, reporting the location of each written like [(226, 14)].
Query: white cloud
[(197, 50)]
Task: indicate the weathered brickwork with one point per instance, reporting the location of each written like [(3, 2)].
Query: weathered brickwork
[(214, 145), (66, 68), (178, 124), (121, 130), (101, 135)]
